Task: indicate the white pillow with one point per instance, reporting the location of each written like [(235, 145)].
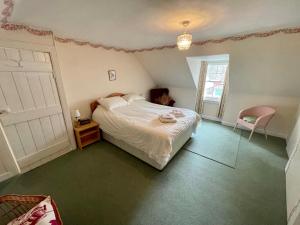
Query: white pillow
[(112, 102), (133, 97)]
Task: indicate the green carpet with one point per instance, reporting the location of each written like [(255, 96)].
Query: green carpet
[(104, 185), (219, 143)]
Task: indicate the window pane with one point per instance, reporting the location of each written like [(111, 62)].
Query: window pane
[(214, 81), (218, 90), (209, 89), (213, 90), (216, 72), (211, 69)]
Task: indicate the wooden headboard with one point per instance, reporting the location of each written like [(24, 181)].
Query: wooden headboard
[(95, 103)]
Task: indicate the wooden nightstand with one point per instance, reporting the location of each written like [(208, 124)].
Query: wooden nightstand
[(87, 134)]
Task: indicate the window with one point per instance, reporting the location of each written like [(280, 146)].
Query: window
[(214, 83)]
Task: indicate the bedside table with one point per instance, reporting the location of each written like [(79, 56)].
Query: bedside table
[(87, 134)]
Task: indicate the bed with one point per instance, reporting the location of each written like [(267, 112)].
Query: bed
[(136, 129)]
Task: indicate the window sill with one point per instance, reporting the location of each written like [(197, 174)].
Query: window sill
[(211, 101)]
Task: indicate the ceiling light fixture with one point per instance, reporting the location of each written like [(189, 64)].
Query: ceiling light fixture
[(184, 40)]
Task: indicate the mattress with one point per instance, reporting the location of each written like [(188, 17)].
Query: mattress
[(138, 125)]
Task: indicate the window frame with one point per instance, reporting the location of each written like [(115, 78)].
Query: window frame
[(215, 100)]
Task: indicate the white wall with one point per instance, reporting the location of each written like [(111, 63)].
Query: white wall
[(194, 65), (294, 137), (84, 72), (167, 67), (25, 37), (184, 97), (210, 110), (262, 71), (292, 174), (282, 122)]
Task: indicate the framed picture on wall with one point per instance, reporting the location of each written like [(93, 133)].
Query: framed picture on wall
[(112, 75)]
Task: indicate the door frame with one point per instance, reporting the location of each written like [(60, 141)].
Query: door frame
[(6, 153), (57, 77)]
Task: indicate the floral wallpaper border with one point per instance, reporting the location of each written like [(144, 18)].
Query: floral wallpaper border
[(7, 12)]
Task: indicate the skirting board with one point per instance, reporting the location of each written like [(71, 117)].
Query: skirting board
[(291, 156), (47, 159), (5, 176), (37, 156), (275, 134), (210, 118)]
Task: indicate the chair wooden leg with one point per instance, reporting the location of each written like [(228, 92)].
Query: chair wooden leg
[(251, 134), (266, 135)]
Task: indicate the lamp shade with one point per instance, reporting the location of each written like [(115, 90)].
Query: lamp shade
[(77, 113), (184, 41)]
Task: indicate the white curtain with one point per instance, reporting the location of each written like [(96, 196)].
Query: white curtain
[(201, 86), (223, 98)]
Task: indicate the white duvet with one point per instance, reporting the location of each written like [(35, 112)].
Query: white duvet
[(138, 125)]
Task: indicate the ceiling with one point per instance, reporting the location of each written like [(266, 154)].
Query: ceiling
[(135, 24)]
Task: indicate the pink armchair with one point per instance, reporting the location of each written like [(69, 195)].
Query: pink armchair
[(262, 115)]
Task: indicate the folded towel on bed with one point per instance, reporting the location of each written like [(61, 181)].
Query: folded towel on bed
[(167, 118), (177, 113)]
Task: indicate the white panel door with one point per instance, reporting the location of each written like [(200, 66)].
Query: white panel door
[(35, 126), (8, 163)]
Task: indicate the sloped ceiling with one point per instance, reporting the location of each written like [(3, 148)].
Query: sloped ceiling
[(136, 24), (167, 68), (173, 68)]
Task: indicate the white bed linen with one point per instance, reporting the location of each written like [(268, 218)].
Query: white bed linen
[(138, 125)]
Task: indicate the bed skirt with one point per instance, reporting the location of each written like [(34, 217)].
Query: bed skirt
[(176, 146)]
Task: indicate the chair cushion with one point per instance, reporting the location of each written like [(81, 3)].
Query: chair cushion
[(250, 119)]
